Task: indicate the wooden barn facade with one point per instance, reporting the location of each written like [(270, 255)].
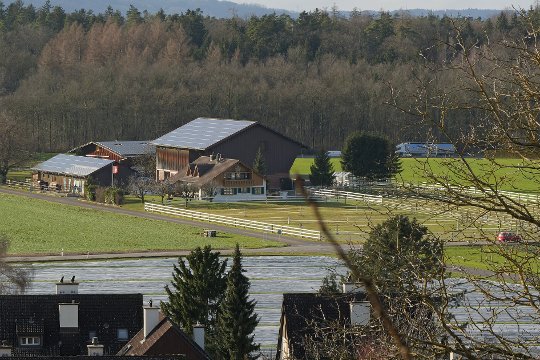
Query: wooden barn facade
[(234, 139)]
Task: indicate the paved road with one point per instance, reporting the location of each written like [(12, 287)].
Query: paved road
[(293, 245)]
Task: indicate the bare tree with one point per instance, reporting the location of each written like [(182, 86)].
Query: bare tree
[(498, 88), (163, 188), (12, 144), (186, 191), (13, 279), (140, 186)]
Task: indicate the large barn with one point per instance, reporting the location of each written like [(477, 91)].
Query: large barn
[(235, 139)]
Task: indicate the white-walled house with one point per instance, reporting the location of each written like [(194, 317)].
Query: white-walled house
[(223, 180)]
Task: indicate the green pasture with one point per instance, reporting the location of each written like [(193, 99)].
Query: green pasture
[(23, 171), (488, 257), (302, 165), (42, 227), (506, 173)]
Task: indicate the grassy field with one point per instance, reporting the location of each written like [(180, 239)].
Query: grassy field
[(302, 165), (504, 171), (485, 257), (23, 171), (42, 227)]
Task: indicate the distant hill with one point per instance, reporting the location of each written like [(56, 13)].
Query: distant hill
[(226, 9), (215, 8)]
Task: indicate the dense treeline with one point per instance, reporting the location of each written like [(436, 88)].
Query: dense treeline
[(75, 77)]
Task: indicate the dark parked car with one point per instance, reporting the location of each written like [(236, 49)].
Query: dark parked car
[(508, 236)]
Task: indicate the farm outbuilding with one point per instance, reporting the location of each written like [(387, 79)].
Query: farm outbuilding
[(234, 139), (71, 173), (417, 149), (123, 153)]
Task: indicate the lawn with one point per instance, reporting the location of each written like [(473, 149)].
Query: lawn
[(302, 165), (504, 171), (487, 256), (42, 227)]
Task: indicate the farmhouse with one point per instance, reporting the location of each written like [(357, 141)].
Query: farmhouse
[(234, 139), (412, 149), (70, 173), (310, 318), (222, 179), (123, 153)]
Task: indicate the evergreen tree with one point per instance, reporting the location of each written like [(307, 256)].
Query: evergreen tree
[(322, 171), (369, 156), (236, 318), (398, 252), (196, 290), (259, 164)]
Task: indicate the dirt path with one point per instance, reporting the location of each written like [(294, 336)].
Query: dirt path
[(293, 245)]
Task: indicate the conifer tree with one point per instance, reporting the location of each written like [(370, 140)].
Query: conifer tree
[(196, 290), (236, 317), (322, 171), (259, 164)]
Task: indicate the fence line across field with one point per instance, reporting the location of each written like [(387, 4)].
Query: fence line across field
[(226, 220), (347, 194)]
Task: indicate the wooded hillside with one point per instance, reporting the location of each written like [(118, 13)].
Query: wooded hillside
[(75, 77)]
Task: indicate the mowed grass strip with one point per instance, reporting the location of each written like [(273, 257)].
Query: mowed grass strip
[(42, 227)]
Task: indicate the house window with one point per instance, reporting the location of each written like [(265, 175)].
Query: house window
[(122, 334), (244, 190), (30, 340), (228, 191), (257, 190)]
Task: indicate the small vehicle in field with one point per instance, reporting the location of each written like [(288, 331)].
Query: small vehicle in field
[(508, 237)]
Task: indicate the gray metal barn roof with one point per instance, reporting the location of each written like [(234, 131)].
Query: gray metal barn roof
[(202, 133), (127, 148), (72, 165)]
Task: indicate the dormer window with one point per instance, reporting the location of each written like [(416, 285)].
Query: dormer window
[(30, 340)]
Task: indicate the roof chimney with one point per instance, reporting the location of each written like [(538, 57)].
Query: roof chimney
[(71, 287), (5, 349), (95, 349), (69, 316), (198, 335), (360, 312), (350, 287), (150, 318)]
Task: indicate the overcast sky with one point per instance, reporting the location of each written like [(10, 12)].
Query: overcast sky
[(299, 5)]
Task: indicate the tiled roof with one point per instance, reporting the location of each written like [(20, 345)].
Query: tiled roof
[(208, 170), (165, 338), (202, 133), (100, 315), (302, 311), (72, 165), (29, 326)]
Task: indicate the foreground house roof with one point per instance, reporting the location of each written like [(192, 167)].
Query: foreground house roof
[(301, 312), (80, 166), (123, 148), (165, 338), (202, 133), (112, 318)]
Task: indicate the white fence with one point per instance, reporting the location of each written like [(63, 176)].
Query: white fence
[(226, 220), (516, 196), (19, 184), (376, 199)]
